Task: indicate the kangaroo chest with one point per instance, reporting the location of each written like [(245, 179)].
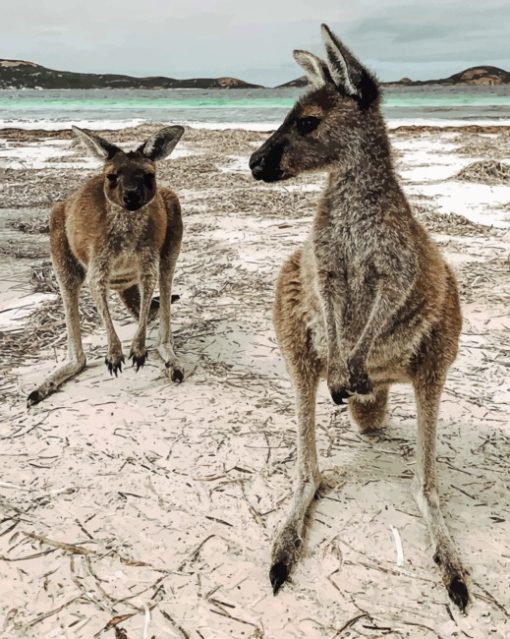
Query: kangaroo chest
[(126, 248), (345, 266), (346, 255)]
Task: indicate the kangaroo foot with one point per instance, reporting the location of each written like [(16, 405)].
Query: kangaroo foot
[(453, 578), (286, 548)]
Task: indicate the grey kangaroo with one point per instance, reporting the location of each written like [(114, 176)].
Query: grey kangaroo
[(368, 300), (119, 231)]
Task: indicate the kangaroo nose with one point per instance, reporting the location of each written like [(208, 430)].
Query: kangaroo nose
[(257, 165), (131, 199)]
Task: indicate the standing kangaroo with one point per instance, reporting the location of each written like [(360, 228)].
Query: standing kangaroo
[(368, 301), (120, 231)]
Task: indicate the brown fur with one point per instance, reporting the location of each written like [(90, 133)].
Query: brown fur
[(369, 300), (118, 231)]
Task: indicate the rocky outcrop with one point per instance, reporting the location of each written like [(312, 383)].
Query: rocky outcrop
[(298, 82), (20, 74), (481, 75)]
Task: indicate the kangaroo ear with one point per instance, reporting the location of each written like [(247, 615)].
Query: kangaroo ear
[(101, 148), (348, 74), (315, 69), (162, 143)]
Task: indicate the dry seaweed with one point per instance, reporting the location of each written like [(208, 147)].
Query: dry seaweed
[(43, 278), (493, 144), (45, 328), (485, 171), (25, 250), (450, 223), (31, 227), (486, 281)]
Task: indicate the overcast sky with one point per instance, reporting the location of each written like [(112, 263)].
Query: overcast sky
[(253, 40)]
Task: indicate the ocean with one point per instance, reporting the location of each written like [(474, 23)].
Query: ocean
[(245, 108)]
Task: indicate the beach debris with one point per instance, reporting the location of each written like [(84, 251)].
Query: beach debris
[(27, 250), (43, 278), (450, 223), (398, 546), (485, 171), (31, 227)]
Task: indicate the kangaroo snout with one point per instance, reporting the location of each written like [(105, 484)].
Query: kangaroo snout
[(265, 163), (257, 165), (132, 200)]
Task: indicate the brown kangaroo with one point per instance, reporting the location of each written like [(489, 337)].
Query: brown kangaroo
[(368, 301), (119, 231)]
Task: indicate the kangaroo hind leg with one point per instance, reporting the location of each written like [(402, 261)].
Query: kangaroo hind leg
[(428, 392), (169, 254), (131, 299), (70, 276), (304, 368)]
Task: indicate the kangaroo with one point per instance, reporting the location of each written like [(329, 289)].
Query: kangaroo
[(368, 301), (119, 231)]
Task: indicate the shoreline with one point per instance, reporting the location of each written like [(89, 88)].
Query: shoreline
[(492, 124)]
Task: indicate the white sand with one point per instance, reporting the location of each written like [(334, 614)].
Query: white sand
[(168, 496), (55, 154)]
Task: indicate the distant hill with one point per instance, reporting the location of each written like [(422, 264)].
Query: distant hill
[(481, 75), (298, 82), (19, 74)]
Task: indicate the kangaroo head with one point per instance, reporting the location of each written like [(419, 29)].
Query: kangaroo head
[(328, 124), (130, 177)]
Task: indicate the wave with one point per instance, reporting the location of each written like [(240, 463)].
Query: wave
[(50, 124)]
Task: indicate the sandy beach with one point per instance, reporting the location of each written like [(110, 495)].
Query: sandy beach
[(133, 508)]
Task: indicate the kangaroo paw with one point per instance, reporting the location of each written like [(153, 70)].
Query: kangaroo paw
[(138, 360), (114, 364), (340, 394)]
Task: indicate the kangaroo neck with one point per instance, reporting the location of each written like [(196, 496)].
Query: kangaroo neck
[(364, 186)]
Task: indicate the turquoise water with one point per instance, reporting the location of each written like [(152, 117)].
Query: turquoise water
[(49, 108)]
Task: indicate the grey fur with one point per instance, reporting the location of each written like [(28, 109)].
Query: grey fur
[(162, 143), (315, 69), (367, 302), (100, 148)]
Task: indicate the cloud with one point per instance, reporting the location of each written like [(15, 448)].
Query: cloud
[(254, 40)]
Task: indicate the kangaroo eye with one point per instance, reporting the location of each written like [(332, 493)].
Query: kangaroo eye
[(306, 125), (112, 178), (149, 178)]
